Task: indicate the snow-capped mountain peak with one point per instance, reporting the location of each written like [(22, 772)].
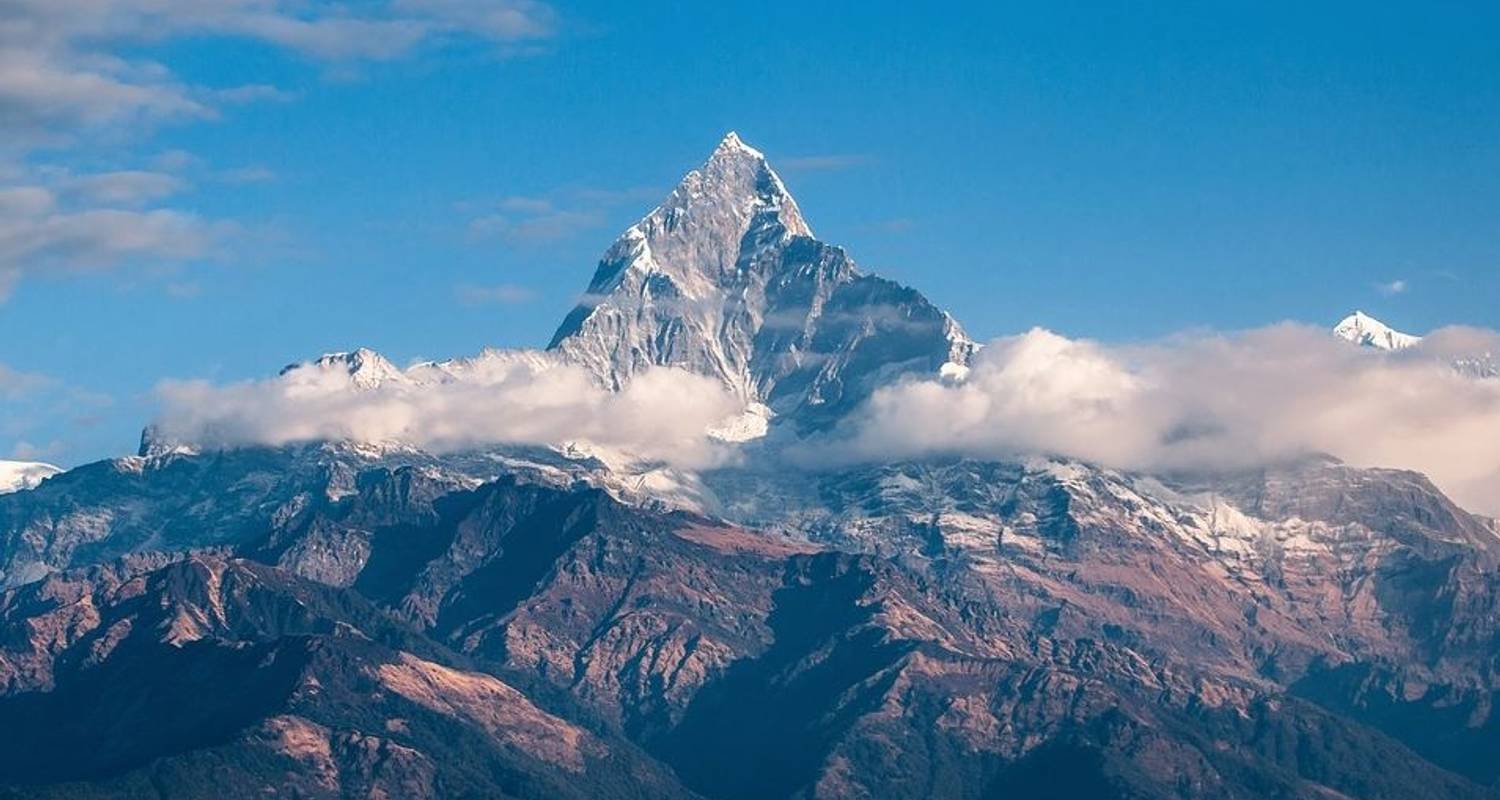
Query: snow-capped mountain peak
[(733, 143), (365, 368), (1363, 329), (726, 279)]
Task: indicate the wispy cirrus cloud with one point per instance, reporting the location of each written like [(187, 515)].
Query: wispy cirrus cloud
[(123, 187), (72, 72), (1392, 288), (501, 294), (534, 226), (15, 383), (554, 216), (61, 61), (826, 162), (46, 229), (35, 403)]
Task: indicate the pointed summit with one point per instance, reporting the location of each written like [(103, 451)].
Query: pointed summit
[(739, 175), (693, 239), (697, 240), (732, 143), (1363, 329), (726, 279), (364, 368)]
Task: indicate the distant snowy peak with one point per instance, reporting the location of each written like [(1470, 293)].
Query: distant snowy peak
[(726, 279), (364, 368), (1465, 357), (16, 476), (490, 366), (1363, 329)]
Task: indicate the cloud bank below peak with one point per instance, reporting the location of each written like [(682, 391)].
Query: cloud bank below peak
[(498, 399), (1197, 401), (1203, 401)]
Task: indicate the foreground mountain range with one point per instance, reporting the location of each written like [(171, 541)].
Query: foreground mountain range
[(333, 618)]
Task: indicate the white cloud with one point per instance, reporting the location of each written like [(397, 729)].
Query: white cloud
[(39, 234), (1206, 402), (554, 216), (500, 21), (61, 66), (124, 187), (71, 72), (503, 294), (26, 451), (36, 406), (15, 383), (534, 228), (47, 96), (663, 415), (822, 163), (1391, 288)]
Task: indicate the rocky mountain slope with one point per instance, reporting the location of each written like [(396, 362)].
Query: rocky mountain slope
[(355, 619), (202, 675), (1099, 626)]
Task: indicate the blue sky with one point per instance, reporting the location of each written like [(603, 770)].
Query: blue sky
[(427, 177)]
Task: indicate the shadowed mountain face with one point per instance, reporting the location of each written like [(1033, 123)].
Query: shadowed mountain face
[(336, 620), (227, 677)]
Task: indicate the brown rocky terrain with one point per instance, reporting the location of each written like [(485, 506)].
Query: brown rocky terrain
[(1023, 618)]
